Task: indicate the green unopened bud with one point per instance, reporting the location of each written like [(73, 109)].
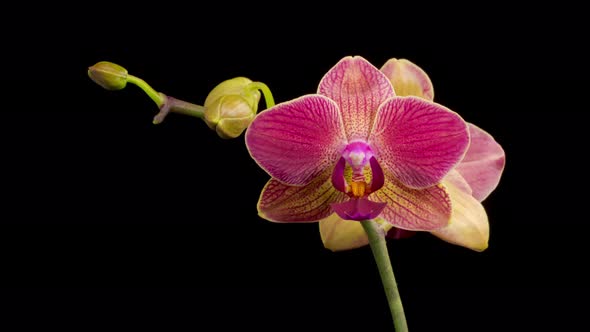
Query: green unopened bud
[(108, 75), (231, 106)]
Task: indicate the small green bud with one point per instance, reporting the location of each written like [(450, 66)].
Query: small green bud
[(231, 106), (108, 75)]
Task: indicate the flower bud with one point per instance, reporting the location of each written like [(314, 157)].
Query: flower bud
[(231, 106), (108, 75)]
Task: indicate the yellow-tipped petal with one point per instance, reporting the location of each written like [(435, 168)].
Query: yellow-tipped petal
[(339, 234), (469, 225), (408, 79)]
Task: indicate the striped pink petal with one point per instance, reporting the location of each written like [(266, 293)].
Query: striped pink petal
[(283, 203), (358, 88), (418, 141), (413, 209), (483, 163), (297, 140)]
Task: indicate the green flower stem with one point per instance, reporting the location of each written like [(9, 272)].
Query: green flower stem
[(379, 249), (268, 98), (186, 108), (153, 94), (167, 104)]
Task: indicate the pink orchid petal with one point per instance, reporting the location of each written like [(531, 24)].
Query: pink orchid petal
[(358, 88), (283, 203), (339, 234), (418, 141), (483, 163), (469, 225), (413, 209), (358, 209), (297, 140), (408, 79)]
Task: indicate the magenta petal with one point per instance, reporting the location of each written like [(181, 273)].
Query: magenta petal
[(418, 141), (358, 88), (358, 209), (483, 163), (297, 140)]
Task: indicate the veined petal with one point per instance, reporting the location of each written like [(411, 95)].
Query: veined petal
[(413, 209), (408, 79), (339, 234), (297, 140), (283, 203), (483, 163), (418, 141), (469, 225), (358, 88)]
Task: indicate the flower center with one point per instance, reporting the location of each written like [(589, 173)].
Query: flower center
[(357, 155), (357, 173), (357, 188)]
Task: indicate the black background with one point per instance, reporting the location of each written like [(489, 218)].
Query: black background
[(111, 222)]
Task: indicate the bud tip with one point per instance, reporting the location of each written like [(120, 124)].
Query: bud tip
[(108, 75)]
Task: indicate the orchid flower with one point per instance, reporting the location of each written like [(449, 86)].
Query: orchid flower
[(355, 152), (468, 184), (358, 151)]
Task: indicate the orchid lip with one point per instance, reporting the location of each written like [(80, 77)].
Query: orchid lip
[(338, 180), (378, 179), (358, 209)]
